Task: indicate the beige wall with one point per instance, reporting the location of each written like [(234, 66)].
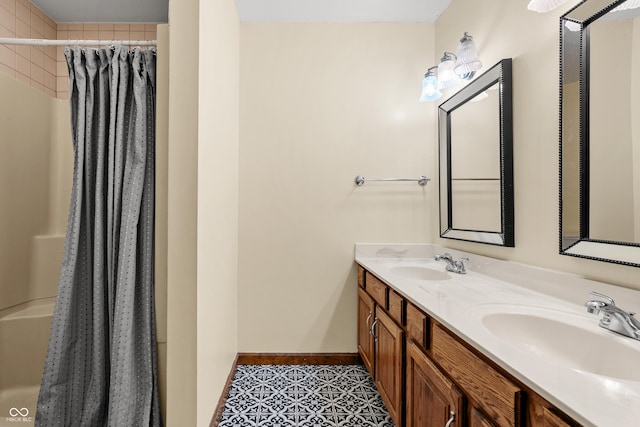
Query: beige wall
[(202, 207), (635, 126), (25, 150), (501, 29), (218, 138), (320, 104), (182, 187)]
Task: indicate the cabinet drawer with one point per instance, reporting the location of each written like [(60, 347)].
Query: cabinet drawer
[(498, 397), (360, 276), (376, 289), (396, 307), (478, 419), (417, 325), (552, 420)]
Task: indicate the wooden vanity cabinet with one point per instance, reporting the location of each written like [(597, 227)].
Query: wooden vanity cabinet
[(439, 374), (381, 342)]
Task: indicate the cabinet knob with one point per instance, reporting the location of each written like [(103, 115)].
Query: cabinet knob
[(451, 419)]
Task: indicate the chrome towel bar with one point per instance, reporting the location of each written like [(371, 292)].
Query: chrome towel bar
[(360, 180)]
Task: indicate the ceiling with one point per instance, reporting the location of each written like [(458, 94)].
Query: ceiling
[(251, 10), (105, 11), (340, 10)]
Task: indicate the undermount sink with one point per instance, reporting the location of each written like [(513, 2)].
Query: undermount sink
[(558, 337), (419, 272)]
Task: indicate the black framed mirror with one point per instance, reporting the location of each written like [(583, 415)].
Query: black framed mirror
[(599, 137), (475, 128)]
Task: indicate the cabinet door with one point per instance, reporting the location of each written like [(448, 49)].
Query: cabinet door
[(366, 314), (432, 399), (389, 340)]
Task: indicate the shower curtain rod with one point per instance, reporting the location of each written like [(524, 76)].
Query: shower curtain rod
[(44, 42)]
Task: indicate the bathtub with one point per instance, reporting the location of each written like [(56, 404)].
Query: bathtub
[(24, 336)]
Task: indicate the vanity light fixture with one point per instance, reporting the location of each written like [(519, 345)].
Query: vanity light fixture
[(629, 4), (544, 6), (451, 70), (468, 62), (430, 90)]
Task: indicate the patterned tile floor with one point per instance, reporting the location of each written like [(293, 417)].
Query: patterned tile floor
[(304, 396)]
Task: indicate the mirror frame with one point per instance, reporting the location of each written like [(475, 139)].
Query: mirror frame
[(574, 58), (499, 74)]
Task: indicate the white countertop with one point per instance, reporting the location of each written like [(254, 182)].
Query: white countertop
[(460, 301)]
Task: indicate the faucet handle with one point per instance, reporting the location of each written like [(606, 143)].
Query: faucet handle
[(593, 307), (607, 299), (462, 265)]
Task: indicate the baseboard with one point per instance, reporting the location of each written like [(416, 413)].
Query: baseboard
[(280, 359)]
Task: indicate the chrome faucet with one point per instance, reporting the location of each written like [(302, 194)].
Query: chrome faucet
[(453, 265), (614, 319)]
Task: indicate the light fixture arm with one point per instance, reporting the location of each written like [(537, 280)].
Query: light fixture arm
[(446, 56), (429, 70), (466, 37)]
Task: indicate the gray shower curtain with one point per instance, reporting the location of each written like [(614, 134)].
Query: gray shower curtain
[(101, 367)]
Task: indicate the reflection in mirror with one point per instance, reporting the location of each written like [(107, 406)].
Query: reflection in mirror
[(600, 141), (475, 163), (476, 172)]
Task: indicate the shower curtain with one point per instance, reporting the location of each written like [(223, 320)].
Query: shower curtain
[(101, 364)]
